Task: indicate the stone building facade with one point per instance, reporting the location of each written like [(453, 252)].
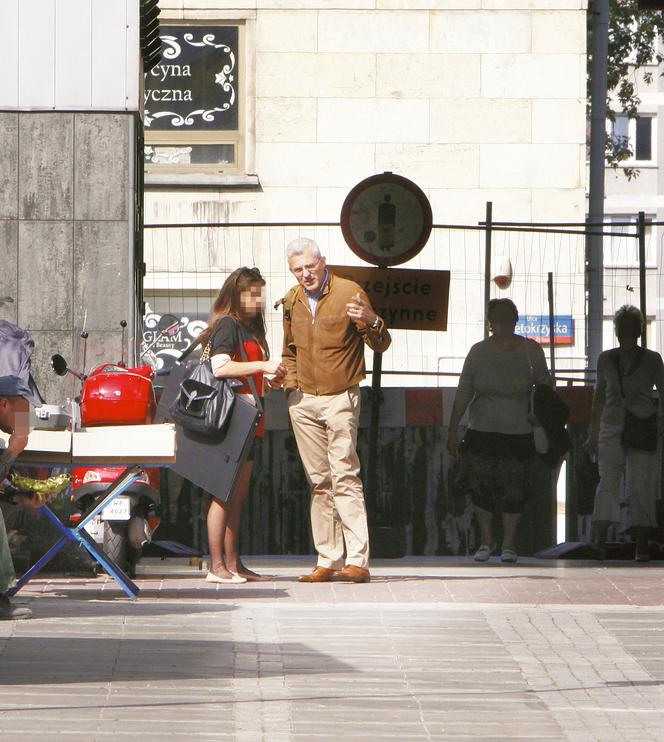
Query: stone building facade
[(474, 100)]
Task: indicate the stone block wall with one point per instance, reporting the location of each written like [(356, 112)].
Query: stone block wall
[(475, 100), (67, 233)]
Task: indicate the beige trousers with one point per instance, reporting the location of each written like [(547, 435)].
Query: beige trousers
[(326, 433), (636, 470)]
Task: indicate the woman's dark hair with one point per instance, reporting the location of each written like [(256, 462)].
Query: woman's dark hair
[(498, 303), (228, 304)]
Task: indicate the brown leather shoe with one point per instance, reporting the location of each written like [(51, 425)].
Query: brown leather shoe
[(320, 574), (351, 573)]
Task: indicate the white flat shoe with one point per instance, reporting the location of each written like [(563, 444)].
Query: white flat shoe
[(509, 556), (235, 579), (483, 553)]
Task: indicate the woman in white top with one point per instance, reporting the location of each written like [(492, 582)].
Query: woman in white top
[(626, 376), (497, 450)]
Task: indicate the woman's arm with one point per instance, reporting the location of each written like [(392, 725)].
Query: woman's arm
[(659, 385), (464, 394), (540, 369), (458, 410), (231, 369)]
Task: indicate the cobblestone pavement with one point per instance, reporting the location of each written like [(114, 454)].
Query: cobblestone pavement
[(431, 649)]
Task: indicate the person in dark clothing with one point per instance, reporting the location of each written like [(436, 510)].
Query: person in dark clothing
[(15, 399)]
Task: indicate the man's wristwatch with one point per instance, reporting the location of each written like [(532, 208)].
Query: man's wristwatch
[(376, 323)]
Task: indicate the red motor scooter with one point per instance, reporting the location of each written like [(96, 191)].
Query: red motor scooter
[(113, 394)]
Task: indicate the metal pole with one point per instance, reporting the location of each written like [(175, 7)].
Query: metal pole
[(552, 351), (594, 246), (487, 264), (374, 421), (642, 276)]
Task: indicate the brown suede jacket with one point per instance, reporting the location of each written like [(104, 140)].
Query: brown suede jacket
[(325, 354)]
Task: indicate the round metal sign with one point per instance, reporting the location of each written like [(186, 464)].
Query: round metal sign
[(386, 219)]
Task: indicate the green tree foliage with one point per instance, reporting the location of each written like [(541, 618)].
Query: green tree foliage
[(633, 36)]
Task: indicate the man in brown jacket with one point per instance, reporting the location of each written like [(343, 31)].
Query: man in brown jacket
[(327, 321)]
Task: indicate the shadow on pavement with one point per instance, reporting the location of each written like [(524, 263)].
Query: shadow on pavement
[(447, 578), (55, 607), (28, 660)]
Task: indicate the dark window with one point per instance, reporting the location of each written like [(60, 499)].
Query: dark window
[(643, 146)]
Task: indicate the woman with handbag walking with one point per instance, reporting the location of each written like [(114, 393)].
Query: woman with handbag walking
[(498, 450), (237, 347), (624, 432)]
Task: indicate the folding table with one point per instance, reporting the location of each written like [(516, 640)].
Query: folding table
[(152, 445)]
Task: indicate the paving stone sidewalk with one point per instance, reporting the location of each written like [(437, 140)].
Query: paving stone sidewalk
[(431, 649)]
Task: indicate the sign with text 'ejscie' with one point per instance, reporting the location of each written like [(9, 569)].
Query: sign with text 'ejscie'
[(406, 299)]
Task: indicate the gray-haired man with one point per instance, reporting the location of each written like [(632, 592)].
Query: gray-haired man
[(327, 322)]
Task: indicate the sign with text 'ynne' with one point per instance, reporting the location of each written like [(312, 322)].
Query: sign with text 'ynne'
[(194, 87), (406, 299), (536, 327)]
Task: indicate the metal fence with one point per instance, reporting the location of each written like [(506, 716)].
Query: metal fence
[(187, 263)]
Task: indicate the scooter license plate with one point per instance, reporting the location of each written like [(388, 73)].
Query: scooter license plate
[(119, 509)]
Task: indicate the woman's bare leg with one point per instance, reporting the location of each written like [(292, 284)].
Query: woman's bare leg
[(510, 522), (232, 538), (485, 519), (217, 526)]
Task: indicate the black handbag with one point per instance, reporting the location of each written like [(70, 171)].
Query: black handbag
[(211, 462), (204, 403), (552, 413), (637, 432)]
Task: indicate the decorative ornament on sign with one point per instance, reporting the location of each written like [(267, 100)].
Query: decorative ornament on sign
[(173, 50)]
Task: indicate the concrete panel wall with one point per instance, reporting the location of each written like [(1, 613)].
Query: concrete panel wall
[(66, 234), (45, 177), (9, 271)]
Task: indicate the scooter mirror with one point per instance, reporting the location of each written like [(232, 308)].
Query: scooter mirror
[(168, 325), (58, 364)]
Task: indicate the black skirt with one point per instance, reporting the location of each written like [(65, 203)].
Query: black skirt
[(504, 445)]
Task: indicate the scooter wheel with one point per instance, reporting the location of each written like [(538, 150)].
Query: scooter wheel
[(115, 542)]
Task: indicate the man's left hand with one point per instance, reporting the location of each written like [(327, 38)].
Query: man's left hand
[(360, 312)]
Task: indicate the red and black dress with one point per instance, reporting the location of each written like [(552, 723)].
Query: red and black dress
[(226, 342)]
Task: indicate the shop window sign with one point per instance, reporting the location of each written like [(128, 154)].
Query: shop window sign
[(537, 327), (162, 351), (195, 86)]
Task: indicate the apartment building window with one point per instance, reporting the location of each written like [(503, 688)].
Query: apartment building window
[(623, 251), (639, 135), (193, 101)]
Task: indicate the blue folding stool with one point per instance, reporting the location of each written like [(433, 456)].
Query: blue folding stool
[(79, 535)]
